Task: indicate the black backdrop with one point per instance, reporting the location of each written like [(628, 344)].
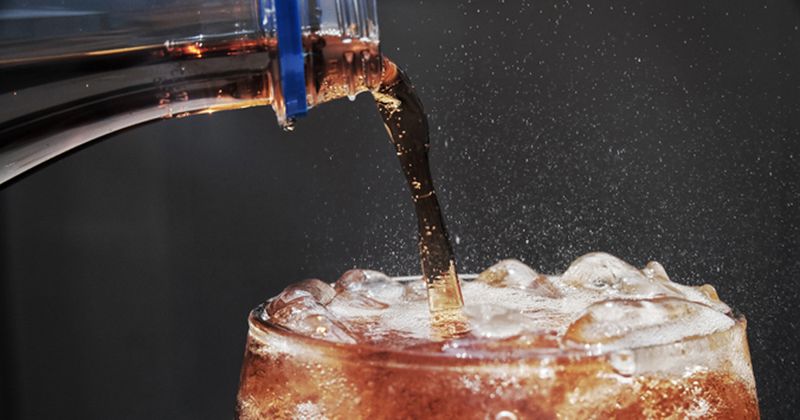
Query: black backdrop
[(657, 130)]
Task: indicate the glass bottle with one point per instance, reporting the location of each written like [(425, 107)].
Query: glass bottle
[(72, 74)]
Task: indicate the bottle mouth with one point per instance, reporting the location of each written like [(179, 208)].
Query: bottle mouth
[(326, 49)]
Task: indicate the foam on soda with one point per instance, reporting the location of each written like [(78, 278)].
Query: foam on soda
[(598, 301)]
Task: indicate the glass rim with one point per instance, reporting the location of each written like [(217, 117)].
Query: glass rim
[(370, 352)]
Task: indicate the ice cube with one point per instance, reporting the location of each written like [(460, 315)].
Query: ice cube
[(627, 323), (514, 273), (654, 270), (705, 294), (305, 315), (356, 300), (709, 291), (495, 321), (607, 275), (316, 289), (371, 284)]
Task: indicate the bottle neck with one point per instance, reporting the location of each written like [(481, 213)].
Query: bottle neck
[(50, 107), (340, 44), (338, 67)]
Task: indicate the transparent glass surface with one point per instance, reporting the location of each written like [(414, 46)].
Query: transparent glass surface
[(287, 375)]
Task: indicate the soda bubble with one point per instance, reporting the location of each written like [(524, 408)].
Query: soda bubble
[(514, 273), (623, 323)]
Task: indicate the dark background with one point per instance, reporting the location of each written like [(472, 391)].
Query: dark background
[(658, 130)]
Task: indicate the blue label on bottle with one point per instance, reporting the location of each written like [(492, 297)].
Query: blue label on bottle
[(290, 54)]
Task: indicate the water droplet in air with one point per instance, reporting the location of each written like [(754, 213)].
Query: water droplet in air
[(289, 124)]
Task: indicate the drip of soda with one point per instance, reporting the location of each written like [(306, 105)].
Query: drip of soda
[(407, 125)]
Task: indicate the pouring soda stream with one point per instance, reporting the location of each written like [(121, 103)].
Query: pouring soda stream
[(407, 125)]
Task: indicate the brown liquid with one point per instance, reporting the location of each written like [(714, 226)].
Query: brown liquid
[(407, 125), (286, 375)]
